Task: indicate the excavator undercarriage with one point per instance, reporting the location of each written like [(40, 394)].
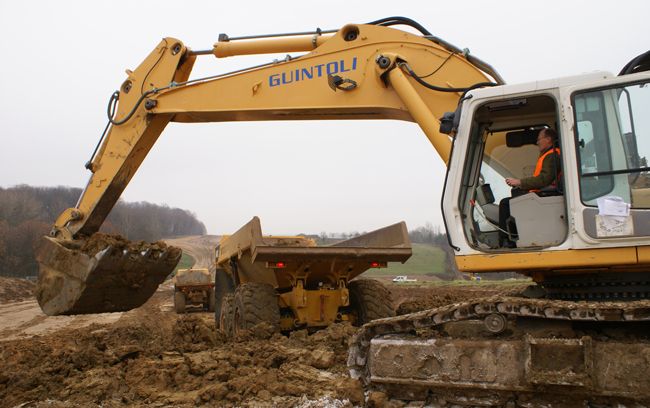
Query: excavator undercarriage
[(470, 354)]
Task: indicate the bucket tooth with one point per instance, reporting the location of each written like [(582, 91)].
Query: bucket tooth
[(102, 274)]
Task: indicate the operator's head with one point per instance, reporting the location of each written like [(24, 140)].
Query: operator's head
[(546, 138)]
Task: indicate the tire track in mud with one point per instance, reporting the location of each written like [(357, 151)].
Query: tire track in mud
[(25, 319)]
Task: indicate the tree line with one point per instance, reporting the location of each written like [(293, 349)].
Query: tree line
[(27, 213)]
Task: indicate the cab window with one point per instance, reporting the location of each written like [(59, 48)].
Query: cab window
[(612, 135)]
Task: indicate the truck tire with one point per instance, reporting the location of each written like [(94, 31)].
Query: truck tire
[(211, 300), (256, 303), (369, 300), (225, 321), (223, 285), (179, 302)]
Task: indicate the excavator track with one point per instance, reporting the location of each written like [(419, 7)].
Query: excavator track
[(509, 351)]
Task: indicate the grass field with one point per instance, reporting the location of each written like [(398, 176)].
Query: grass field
[(186, 262), (426, 260)]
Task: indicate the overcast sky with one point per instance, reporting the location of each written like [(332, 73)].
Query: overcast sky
[(63, 59)]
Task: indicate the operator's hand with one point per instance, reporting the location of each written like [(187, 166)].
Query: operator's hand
[(513, 182)]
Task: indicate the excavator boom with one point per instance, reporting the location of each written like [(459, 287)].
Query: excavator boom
[(364, 71)]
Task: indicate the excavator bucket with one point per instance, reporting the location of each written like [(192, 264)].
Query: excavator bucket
[(104, 273)]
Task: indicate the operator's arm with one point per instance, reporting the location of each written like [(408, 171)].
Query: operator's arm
[(547, 175)]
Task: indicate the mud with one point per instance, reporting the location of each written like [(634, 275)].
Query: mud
[(99, 241), (413, 299), (15, 289), (151, 356)]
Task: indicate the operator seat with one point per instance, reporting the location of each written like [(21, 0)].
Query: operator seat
[(485, 198), (540, 220)]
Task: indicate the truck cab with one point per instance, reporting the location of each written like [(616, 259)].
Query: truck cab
[(604, 138)]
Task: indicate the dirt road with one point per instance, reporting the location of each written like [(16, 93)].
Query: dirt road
[(199, 247), (21, 317)]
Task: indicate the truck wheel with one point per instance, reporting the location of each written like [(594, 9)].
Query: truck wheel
[(256, 303), (226, 316), (211, 300), (223, 285), (179, 302), (369, 300)]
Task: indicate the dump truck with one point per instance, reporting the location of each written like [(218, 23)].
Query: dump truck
[(193, 287), (291, 283)]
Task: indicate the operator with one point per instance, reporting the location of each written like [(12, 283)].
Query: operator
[(545, 178)]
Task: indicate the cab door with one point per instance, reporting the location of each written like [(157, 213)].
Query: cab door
[(497, 140)]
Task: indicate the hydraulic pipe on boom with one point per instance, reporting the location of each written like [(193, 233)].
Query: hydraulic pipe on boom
[(421, 113), (224, 49)]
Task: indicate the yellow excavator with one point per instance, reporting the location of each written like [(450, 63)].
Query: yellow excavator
[(581, 332)]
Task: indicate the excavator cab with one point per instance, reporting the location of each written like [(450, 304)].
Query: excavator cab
[(598, 212), (504, 135)]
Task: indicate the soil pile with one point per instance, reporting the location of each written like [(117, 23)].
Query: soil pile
[(99, 241), (16, 290), (157, 358), (153, 357), (414, 299)]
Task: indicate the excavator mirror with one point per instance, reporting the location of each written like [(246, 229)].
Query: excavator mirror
[(447, 123)]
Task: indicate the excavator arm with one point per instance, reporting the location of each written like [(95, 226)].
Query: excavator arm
[(364, 71)]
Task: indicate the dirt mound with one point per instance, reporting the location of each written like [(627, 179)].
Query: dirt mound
[(16, 290), (156, 358), (410, 300), (99, 241)]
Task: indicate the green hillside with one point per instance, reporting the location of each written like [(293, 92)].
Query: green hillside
[(426, 260), (187, 261)]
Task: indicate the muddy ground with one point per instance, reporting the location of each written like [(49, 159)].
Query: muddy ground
[(16, 290), (153, 357)]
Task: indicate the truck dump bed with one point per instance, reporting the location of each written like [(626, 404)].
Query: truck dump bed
[(193, 277), (278, 260)]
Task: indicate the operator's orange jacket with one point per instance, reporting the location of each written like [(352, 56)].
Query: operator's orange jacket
[(540, 163)]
